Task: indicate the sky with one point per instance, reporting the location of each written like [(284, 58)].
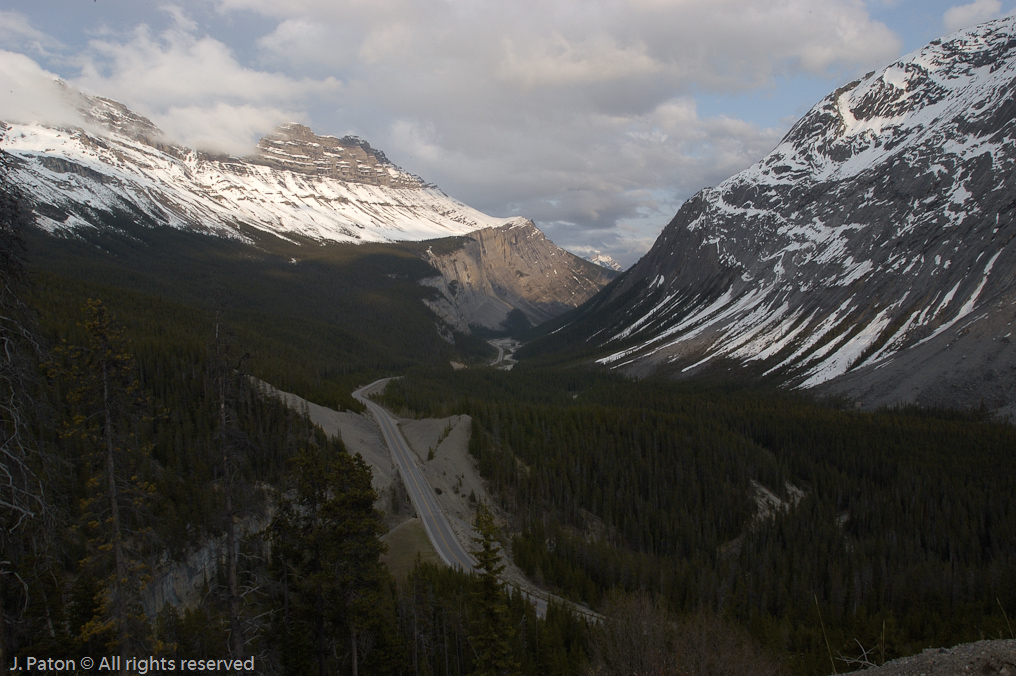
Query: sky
[(594, 118)]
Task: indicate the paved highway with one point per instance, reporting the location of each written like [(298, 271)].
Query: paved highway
[(435, 522)]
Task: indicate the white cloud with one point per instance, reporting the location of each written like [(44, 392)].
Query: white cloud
[(16, 32), (223, 128), (28, 93), (577, 113), (193, 86), (571, 113), (979, 11)]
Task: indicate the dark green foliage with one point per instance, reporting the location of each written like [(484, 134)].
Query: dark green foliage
[(908, 518), (336, 596), (492, 632), (439, 606), (182, 473), (318, 319), (106, 415), (22, 494)]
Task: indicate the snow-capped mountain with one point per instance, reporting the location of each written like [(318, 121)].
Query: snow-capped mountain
[(604, 261), (873, 252), (298, 186), (296, 183)]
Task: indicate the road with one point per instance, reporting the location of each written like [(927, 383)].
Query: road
[(434, 520), (503, 361)]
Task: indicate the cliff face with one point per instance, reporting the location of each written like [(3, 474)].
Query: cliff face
[(871, 254), (511, 267), (296, 148)]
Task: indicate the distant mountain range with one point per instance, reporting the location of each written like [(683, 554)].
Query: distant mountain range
[(605, 261), (298, 186), (870, 254)]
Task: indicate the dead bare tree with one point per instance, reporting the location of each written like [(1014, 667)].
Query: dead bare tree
[(21, 492), (635, 638), (229, 382)]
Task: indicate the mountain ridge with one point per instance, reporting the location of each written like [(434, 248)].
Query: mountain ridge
[(297, 186), (295, 183), (512, 267), (882, 223)]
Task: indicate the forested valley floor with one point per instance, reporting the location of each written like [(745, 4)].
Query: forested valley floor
[(718, 529)]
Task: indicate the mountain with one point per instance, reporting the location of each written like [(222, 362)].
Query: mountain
[(489, 273), (295, 185), (870, 254), (117, 171), (604, 261)]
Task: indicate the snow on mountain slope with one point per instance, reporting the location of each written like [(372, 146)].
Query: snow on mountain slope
[(882, 226), (604, 261), (297, 183)]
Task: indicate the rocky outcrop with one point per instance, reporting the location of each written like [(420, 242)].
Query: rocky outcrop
[(298, 185), (988, 658), (294, 147), (872, 253), (513, 267)]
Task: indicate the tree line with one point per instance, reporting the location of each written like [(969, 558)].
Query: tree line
[(133, 437), (897, 527)]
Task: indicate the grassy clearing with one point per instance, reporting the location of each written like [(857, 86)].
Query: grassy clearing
[(405, 542)]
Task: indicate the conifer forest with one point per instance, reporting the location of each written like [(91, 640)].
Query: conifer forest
[(712, 527)]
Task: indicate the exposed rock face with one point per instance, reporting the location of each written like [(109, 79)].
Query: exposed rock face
[(511, 267), (604, 261), (294, 147), (296, 184), (872, 253), (987, 658)]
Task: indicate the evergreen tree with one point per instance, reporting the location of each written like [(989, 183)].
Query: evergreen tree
[(108, 412), (229, 382), (492, 633), (336, 594)]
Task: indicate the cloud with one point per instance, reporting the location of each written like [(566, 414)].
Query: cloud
[(193, 86), (724, 44), (979, 11), (30, 94), (16, 32), (581, 115), (583, 181), (223, 128)]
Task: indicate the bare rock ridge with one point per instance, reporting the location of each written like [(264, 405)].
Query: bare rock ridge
[(296, 185), (985, 658), (510, 267), (872, 253), (296, 148)]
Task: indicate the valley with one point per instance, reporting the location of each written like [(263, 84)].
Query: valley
[(302, 406)]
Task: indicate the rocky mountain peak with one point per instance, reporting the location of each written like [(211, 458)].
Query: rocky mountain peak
[(959, 85), (604, 261), (299, 184), (118, 118), (295, 147), (881, 232), (511, 267)]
